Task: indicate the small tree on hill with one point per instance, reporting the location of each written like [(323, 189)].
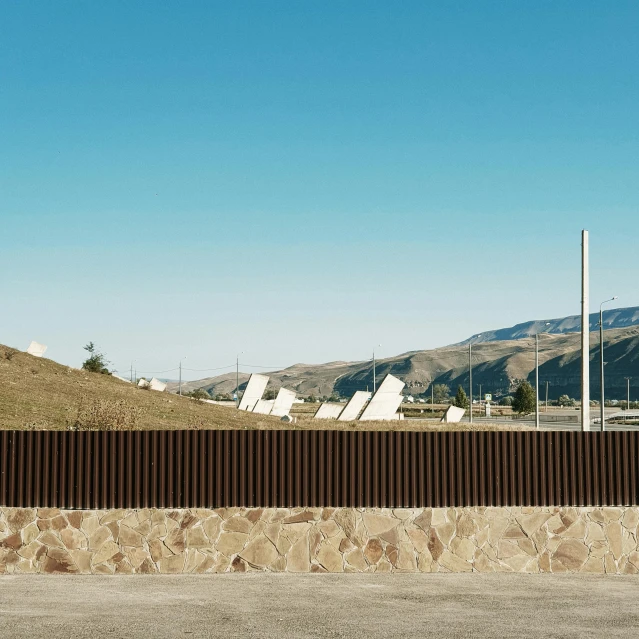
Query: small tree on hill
[(461, 399), (441, 392), (524, 399), (96, 362), (565, 400), (198, 394)]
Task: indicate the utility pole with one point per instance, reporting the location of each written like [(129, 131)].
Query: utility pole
[(470, 376), (131, 372), (432, 396), (546, 397), (585, 334), (601, 359), (537, 381), (628, 397), (537, 378), (180, 382), (374, 380), (237, 379)]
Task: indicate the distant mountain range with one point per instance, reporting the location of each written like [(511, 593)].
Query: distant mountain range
[(501, 358), (613, 318)]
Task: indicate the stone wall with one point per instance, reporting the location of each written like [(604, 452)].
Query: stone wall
[(47, 540)]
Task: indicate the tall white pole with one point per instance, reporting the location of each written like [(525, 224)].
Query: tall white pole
[(537, 381), (601, 364), (585, 334), (470, 379), (374, 372), (180, 382)]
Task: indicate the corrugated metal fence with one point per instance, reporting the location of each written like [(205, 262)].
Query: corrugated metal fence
[(179, 469)]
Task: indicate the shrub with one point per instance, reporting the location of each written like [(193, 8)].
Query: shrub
[(564, 400), (198, 394), (104, 414), (96, 362)]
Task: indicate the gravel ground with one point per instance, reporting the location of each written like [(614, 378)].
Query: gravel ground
[(268, 605)]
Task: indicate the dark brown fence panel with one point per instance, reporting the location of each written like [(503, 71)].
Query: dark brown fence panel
[(180, 469)]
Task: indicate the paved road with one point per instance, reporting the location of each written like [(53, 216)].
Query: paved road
[(268, 606)]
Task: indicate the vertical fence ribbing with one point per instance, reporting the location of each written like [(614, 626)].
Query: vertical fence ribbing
[(173, 469)]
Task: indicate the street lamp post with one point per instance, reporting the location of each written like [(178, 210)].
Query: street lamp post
[(470, 375), (546, 397), (537, 376), (374, 379), (628, 396), (237, 379), (601, 358)]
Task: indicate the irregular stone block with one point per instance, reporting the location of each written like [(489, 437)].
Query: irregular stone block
[(18, 518), (73, 539), (454, 563), (108, 550), (613, 534), (378, 524), (572, 554), (329, 558), (98, 538), (230, 543), (298, 558), (260, 552)]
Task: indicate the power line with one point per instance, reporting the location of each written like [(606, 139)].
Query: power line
[(203, 370), (269, 367)]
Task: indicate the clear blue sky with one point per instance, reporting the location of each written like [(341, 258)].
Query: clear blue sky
[(304, 180)]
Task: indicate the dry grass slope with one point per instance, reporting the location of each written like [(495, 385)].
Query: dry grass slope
[(40, 394)]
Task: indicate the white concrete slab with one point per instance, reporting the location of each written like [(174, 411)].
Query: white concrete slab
[(253, 392), (283, 402), (264, 406), (453, 415), (385, 401), (157, 385), (328, 411), (354, 406), (37, 350)]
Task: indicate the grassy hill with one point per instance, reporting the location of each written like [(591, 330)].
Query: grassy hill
[(40, 394)]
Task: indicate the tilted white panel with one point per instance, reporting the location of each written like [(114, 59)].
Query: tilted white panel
[(37, 350), (385, 401), (254, 391), (354, 406), (157, 385), (264, 406), (453, 415), (328, 411), (283, 402)]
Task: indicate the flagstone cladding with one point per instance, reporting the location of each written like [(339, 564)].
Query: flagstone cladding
[(302, 540)]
